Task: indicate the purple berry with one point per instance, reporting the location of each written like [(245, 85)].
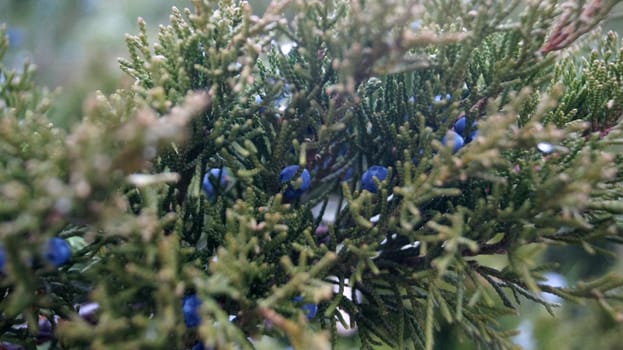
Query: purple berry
[(57, 252), (190, 310), (367, 179), (287, 174)]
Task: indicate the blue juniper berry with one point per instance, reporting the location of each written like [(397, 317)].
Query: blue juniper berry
[(457, 140), (287, 174), (198, 346), (2, 258), (214, 175), (57, 252), (459, 128), (367, 179), (310, 309), (190, 310)]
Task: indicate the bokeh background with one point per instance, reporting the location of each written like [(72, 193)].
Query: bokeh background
[(75, 45)]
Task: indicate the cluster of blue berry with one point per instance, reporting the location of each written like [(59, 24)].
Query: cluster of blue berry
[(452, 139), (191, 304), (295, 182), (455, 135), (216, 181), (190, 311)]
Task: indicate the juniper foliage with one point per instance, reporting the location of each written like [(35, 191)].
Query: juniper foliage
[(335, 88)]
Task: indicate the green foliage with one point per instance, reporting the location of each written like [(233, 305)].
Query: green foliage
[(341, 86), (74, 44), (595, 96)]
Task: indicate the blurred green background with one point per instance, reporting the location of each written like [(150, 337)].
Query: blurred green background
[(75, 45)]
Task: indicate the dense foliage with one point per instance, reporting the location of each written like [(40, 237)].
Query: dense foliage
[(398, 167)]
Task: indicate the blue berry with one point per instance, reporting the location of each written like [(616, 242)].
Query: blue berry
[(190, 310), (367, 179), (457, 140), (57, 252), (472, 136), (198, 346), (2, 258), (213, 176), (459, 127), (310, 309), (287, 174)]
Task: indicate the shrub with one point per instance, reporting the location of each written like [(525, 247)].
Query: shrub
[(454, 239)]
